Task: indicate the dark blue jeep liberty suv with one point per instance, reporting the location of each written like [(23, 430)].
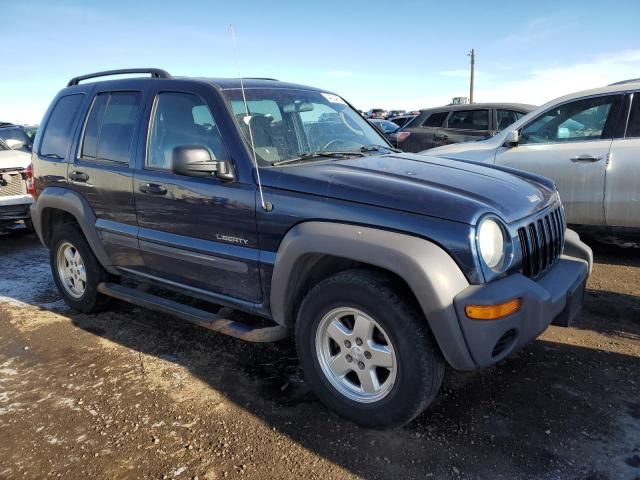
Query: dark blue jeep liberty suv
[(280, 200)]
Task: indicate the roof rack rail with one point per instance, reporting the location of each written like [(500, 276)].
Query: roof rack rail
[(155, 73), (623, 82), (260, 78)]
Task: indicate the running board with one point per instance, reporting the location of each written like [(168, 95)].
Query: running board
[(200, 317)]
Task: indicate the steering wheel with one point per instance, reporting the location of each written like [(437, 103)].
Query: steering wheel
[(346, 120), (332, 142)]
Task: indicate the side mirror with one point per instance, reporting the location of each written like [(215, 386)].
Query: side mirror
[(196, 161), (511, 139), (14, 144)]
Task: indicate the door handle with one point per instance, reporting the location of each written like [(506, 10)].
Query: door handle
[(585, 159), (152, 188), (77, 176), (441, 137)]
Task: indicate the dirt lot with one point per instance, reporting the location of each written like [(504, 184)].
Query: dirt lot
[(134, 394)]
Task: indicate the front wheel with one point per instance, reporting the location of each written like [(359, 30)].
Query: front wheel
[(365, 351)]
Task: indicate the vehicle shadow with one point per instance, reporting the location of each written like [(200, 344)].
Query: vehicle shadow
[(610, 313), (526, 417)]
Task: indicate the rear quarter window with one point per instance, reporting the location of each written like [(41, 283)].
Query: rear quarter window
[(56, 138)]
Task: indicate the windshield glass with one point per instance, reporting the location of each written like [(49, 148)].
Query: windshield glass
[(289, 123)]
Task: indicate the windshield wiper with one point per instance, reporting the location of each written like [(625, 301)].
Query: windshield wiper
[(318, 154), (55, 156), (377, 148)]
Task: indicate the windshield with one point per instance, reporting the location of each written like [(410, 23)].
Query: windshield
[(290, 123)]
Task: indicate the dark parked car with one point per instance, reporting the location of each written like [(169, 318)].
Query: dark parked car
[(402, 120), (435, 127), (375, 113), (15, 136), (394, 113), (386, 127), (384, 266)]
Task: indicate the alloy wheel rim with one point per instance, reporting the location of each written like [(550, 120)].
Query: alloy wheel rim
[(71, 270), (356, 355)]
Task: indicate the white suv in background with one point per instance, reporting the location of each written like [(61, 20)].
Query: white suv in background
[(587, 142), (16, 185)]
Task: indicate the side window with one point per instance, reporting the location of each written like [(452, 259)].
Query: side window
[(435, 119), (633, 126), (109, 130), (506, 118), (469, 120), (572, 122), (57, 134), (181, 119)]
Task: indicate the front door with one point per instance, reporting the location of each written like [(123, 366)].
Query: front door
[(570, 144), (198, 232)]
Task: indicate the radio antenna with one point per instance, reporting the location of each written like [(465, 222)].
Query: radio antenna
[(266, 206)]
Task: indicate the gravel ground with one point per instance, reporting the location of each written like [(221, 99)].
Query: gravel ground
[(134, 394)]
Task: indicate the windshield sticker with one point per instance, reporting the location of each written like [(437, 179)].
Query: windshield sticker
[(333, 98)]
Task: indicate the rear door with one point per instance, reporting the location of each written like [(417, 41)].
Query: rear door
[(464, 126), (102, 170), (622, 192), (570, 144)]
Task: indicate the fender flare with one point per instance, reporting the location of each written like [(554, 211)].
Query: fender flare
[(432, 275), (73, 203)]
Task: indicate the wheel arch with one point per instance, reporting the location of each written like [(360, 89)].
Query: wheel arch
[(323, 248), (57, 205)]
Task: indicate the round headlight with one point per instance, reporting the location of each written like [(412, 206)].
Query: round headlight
[(491, 243)]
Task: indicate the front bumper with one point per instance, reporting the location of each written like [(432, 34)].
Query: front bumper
[(555, 297)]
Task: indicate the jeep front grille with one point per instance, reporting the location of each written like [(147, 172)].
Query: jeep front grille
[(12, 184), (542, 242)]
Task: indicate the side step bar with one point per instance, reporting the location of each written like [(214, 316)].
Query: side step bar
[(200, 317)]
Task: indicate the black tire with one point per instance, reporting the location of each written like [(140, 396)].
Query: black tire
[(91, 300), (420, 366)]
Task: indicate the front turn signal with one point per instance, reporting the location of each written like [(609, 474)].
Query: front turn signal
[(493, 312)]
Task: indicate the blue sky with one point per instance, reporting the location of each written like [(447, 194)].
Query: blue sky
[(392, 54)]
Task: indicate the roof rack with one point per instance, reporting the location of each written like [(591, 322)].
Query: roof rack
[(260, 78), (623, 82), (155, 73)]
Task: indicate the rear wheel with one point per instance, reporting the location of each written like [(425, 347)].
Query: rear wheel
[(365, 351), (76, 271)]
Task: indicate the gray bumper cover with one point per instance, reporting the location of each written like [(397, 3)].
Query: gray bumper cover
[(556, 297)]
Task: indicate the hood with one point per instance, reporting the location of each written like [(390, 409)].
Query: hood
[(436, 187), (14, 160)]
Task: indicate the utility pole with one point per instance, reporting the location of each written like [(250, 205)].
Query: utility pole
[(473, 64)]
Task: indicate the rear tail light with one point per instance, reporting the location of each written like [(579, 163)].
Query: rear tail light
[(31, 188), (401, 136)]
